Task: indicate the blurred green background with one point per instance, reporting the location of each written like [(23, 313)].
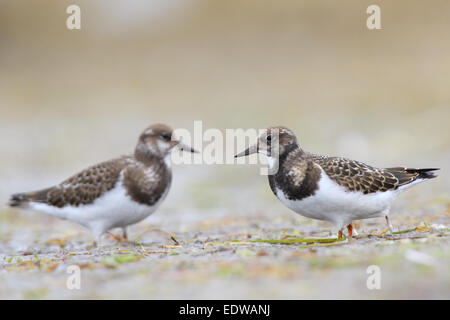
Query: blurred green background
[(71, 98)]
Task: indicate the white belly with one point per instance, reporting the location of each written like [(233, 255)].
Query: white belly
[(333, 203), (113, 209)]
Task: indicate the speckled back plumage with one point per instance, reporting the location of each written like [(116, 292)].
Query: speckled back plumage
[(82, 188), (357, 176), (87, 185)]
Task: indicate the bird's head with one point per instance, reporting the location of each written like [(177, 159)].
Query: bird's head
[(158, 140), (272, 142)]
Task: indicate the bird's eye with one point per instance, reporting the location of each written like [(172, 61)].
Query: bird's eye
[(269, 138), (166, 136)]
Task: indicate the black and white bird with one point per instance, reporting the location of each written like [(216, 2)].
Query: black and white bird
[(114, 193), (333, 189)]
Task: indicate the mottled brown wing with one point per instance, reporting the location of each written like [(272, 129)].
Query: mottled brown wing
[(87, 185), (357, 176)]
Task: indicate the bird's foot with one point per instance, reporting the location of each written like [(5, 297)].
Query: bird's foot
[(389, 224), (351, 231), (117, 237), (382, 233)]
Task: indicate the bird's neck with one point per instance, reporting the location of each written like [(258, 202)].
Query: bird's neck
[(146, 155), (291, 150), (276, 161)]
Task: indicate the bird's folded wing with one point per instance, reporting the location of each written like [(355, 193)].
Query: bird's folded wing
[(357, 176), (85, 186)]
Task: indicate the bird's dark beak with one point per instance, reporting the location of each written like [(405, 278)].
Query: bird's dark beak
[(248, 151), (184, 147)]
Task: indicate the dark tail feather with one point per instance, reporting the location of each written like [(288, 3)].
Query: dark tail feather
[(17, 200), (423, 173), (22, 199)]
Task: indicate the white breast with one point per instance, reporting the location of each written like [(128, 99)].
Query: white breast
[(333, 203)]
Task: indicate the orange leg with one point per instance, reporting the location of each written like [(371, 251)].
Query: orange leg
[(350, 230), (340, 234)]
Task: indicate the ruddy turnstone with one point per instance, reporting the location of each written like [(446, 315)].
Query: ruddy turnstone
[(333, 189), (115, 193)]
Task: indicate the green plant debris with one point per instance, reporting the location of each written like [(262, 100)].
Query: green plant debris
[(404, 231), (127, 258), (114, 261), (299, 240)]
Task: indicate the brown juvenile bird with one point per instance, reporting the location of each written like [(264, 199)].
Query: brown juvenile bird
[(115, 193), (333, 189)]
